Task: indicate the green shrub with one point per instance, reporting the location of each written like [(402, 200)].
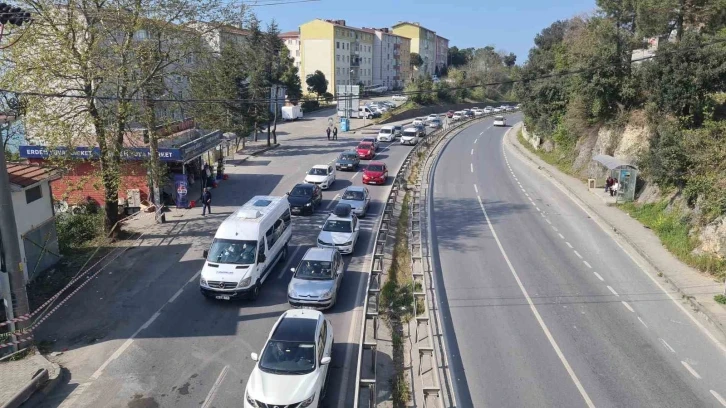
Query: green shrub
[(720, 299), (75, 230)]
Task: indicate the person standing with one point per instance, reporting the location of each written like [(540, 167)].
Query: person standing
[(206, 202), (335, 133), (328, 132)]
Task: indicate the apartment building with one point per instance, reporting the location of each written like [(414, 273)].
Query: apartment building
[(292, 42), (388, 51), (442, 53), (343, 53), (423, 42)]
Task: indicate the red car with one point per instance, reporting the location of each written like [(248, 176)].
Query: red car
[(375, 173), (450, 114), (366, 151)]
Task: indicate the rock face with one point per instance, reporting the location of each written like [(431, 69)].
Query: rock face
[(713, 238)]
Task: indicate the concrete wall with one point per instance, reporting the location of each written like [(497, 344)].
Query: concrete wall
[(31, 215), (317, 56)]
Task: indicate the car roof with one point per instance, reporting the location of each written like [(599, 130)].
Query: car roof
[(304, 185), (365, 142), (320, 166), (349, 152), (319, 254), (386, 127), (297, 326), (498, 117)]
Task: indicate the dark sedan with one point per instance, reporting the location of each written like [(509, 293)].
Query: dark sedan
[(304, 198), (348, 161)]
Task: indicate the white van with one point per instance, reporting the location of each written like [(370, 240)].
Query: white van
[(246, 248), (386, 134), (366, 112), (499, 121)]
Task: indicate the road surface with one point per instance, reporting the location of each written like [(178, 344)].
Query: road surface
[(542, 308)]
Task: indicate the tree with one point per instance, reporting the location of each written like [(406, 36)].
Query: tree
[(457, 58), (291, 80), (90, 50), (416, 60), (317, 83), (510, 60)]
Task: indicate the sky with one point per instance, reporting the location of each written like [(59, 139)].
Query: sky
[(510, 25)]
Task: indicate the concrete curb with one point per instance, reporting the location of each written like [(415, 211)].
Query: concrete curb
[(43, 382), (543, 167)]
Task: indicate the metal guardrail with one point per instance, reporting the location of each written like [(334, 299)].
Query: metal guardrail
[(367, 380)]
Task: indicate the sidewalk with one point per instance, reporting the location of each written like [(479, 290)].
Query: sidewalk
[(694, 287), (20, 379)]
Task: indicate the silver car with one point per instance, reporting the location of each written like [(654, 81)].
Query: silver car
[(358, 199), (316, 280)]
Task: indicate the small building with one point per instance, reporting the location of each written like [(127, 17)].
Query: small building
[(34, 216)]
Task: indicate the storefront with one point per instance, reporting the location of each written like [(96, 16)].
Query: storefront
[(190, 167)]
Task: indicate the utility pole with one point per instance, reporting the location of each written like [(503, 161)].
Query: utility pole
[(13, 278)]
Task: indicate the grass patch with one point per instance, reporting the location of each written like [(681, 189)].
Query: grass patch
[(673, 228), (720, 299), (562, 160), (397, 293)]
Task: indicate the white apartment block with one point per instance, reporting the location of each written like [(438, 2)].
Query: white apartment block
[(387, 48), (292, 42)]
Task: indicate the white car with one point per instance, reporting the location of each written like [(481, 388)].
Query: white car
[(458, 116), (418, 121), (497, 110), (432, 117), (400, 98), (340, 230), (292, 370), (386, 134), (499, 121), (322, 175), (409, 136), (478, 112), (488, 110)]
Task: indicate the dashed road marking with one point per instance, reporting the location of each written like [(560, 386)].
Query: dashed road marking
[(176, 295), (642, 322), (472, 152), (627, 305), (213, 392), (666, 345), (476, 140), (476, 189), (549, 222), (472, 167), (587, 264), (691, 370), (561, 236), (290, 258), (718, 397), (578, 254), (537, 316), (537, 208), (599, 277), (613, 290), (569, 245)]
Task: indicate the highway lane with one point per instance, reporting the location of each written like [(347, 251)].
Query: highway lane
[(192, 351), (546, 309)]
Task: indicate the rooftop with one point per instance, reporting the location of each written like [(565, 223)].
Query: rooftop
[(25, 175), (290, 34)]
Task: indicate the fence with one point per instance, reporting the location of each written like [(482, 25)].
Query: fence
[(41, 248), (368, 341)]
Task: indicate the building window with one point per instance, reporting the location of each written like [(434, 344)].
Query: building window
[(337, 44), (33, 194)]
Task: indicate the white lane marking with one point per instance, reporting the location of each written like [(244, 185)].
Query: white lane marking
[(666, 345), (568, 244), (587, 264), (481, 134), (522, 188), (472, 167), (472, 152), (578, 254), (537, 208), (332, 201), (215, 388), (196, 276), (718, 397), (476, 140), (608, 231), (476, 189), (599, 277), (532, 307), (561, 236), (691, 370), (627, 305), (526, 195), (176, 295), (290, 258), (549, 222), (613, 290), (642, 322)]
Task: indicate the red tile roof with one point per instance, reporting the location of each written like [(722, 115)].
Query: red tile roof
[(25, 175), (289, 34)]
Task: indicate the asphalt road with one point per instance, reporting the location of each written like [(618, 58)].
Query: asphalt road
[(143, 336), (542, 308)]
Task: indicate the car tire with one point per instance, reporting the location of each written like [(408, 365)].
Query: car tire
[(255, 291)]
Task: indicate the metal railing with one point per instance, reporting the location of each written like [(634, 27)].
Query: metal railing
[(366, 378)]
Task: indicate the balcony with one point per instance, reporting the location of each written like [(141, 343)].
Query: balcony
[(355, 62)]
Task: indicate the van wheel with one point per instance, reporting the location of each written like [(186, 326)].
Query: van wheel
[(255, 291)]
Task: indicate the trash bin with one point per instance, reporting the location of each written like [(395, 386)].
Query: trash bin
[(344, 124)]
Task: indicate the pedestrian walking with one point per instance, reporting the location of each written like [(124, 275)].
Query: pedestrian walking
[(335, 133), (206, 202), (328, 132)]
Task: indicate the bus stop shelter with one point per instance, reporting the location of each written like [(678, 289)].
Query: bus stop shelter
[(604, 166)]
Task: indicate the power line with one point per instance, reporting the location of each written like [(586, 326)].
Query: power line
[(276, 3), (341, 98)]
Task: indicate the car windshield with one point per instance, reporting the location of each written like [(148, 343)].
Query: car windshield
[(385, 131), (364, 146), (354, 195), (315, 270), (374, 167), (409, 133), (232, 251), (301, 192), (499, 118), (288, 357), (348, 157), (318, 172), (338, 226)]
